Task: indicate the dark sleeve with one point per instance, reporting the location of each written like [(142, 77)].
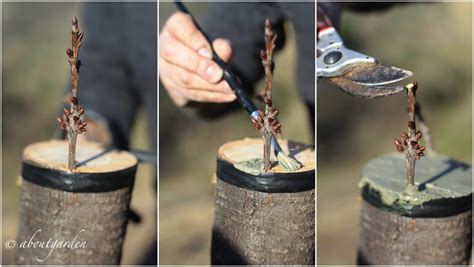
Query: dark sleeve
[(328, 14), (332, 11), (104, 83), (243, 25)]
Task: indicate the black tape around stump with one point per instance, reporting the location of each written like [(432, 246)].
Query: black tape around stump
[(438, 208), (76, 181), (269, 183)]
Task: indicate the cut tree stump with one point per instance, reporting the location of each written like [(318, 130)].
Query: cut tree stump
[(432, 226), (263, 218), (75, 217)]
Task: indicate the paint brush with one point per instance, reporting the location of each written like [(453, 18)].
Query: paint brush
[(287, 162)]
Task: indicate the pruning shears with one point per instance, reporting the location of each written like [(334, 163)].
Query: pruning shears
[(355, 73)]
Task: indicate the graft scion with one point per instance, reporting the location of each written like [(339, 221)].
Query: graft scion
[(408, 142), (267, 123), (71, 120)]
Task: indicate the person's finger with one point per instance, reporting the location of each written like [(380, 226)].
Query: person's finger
[(176, 53), (181, 26), (223, 49), (187, 79), (181, 96), (174, 92), (212, 97)]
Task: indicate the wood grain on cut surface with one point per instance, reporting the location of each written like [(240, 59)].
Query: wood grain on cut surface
[(251, 148), (91, 157)]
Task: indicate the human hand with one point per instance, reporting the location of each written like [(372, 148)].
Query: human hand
[(186, 68)]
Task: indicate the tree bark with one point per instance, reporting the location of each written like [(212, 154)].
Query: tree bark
[(99, 219), (388, 238)]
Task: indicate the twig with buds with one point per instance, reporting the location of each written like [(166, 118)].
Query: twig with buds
[(408, 142), (267, 123), (71, 120)]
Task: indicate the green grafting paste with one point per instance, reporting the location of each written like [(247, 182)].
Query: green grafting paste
[(251, 166), (436, 176)]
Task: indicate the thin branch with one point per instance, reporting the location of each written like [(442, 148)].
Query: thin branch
[(408, 142), (267, 123), (71, 120)]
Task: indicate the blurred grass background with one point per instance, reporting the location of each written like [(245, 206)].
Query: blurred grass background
[(432, 40), (35, 73), (188, 150)]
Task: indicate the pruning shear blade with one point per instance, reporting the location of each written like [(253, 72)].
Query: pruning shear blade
[(364, 91), (357, 74), (377, 74)]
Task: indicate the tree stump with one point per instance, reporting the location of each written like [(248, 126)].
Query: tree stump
[(431, 226), (77, 217), (263, 218)]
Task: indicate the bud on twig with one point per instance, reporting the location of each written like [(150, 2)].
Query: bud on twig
[(408, 142), (267, 123), (71, 120)]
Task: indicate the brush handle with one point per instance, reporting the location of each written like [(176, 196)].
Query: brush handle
[(242, 95), (229, 76)]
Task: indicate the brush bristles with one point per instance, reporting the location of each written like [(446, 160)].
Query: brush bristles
[(290, 164)]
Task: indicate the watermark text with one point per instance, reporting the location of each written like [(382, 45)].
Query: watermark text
[(51, 244)]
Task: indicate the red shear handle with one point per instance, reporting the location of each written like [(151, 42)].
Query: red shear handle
[(325, 28)]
